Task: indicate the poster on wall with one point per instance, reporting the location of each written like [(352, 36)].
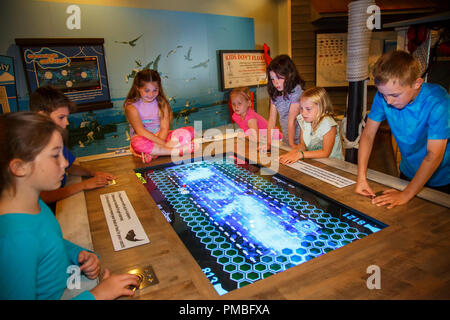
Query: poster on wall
[(8, 90), (331, 60), (74, 66), (242, 68), (331, 56)]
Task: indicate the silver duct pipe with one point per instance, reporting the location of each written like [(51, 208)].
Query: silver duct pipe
[(358, 45)]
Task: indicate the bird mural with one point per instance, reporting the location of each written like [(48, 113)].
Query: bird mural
[(173, 51), (203, 64), (131, 43), (188, 55)]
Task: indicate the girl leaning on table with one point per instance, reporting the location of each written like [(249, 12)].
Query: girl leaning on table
[(34, 257), (319, 134)]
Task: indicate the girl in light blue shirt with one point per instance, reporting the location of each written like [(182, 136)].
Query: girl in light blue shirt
[(34, 257)]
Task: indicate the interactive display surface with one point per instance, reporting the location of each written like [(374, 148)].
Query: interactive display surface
[(241, 226)]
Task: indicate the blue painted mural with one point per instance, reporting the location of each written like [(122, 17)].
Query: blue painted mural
[(182, 46)]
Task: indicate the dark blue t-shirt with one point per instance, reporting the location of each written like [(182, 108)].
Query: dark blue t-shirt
[(70, 158)]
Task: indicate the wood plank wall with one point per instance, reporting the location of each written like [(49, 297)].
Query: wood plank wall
[(304, 52)]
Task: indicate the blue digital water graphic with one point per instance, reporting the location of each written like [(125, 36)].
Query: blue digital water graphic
[(241, 227)]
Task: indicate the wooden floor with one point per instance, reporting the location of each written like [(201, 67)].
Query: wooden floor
[(413, 252)]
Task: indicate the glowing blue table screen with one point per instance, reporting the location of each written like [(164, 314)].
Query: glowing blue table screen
[(241, 226)]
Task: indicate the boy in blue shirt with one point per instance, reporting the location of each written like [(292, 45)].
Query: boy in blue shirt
[(54, 103), (418, 114)]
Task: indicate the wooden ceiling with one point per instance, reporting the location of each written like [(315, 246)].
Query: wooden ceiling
[(334, 13), (341, 6)]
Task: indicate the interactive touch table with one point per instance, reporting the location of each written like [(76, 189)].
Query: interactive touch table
[(241, 226), (337, 230)]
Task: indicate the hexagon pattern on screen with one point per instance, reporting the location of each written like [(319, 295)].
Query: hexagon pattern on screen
[(242, 227)]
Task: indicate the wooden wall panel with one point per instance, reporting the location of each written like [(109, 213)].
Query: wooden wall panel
[(304, 51)]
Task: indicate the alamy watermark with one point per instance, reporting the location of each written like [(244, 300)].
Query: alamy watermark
[(374, 20), (74, 279), (374, 281), (257, 149)]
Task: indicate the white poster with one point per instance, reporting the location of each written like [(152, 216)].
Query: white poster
[(241, 69), (124, 226)]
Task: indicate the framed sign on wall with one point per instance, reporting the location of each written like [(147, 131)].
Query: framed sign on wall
[(8, 90), (242, 68), (75, 66)]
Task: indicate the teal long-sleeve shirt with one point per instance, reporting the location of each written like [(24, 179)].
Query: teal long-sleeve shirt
[(34, 257)]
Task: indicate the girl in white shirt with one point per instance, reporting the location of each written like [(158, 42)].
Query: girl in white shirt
[(319, 136)]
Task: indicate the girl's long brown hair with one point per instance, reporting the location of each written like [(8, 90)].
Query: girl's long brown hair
[(283, 65), (23, 135), (143, 77)]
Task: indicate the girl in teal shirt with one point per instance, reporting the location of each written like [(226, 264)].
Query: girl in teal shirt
[(34, 257)]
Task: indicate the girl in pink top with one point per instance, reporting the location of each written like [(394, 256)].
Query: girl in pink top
[(248, 120), (150, 115)]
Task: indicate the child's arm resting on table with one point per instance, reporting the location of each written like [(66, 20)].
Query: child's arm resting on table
[(77, 170), (365, 148), (432, 160), (300, 153), (271, 123), (294, 111), (252, 131), (295, 153), (67, 191)]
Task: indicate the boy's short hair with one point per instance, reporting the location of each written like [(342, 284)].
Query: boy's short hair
[(48, 99), (396, 66)]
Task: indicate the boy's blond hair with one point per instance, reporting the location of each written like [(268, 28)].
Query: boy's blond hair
[(396, 66), (319, 97)]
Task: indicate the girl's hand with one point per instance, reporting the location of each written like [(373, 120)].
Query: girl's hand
[(90, 264), (106, 175), (362, 187), (114, 286), (264, 147), (241, 135), (392, 198), (172, 144), (290, 157)]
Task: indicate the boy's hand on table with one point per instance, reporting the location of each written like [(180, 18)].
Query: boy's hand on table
[(94, 182), (392, 198), (89, 264), (106, 175)]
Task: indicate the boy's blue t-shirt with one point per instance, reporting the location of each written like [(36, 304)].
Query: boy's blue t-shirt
[(70, 158), (426, 118), (34, 257)]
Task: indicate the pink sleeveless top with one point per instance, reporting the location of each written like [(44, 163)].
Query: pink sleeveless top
[(251, 114), (149, 113)]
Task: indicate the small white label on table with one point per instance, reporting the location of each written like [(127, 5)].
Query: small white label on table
[(321, 174), (124, 226)]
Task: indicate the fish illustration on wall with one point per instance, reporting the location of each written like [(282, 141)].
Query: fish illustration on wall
[(46, 58)]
